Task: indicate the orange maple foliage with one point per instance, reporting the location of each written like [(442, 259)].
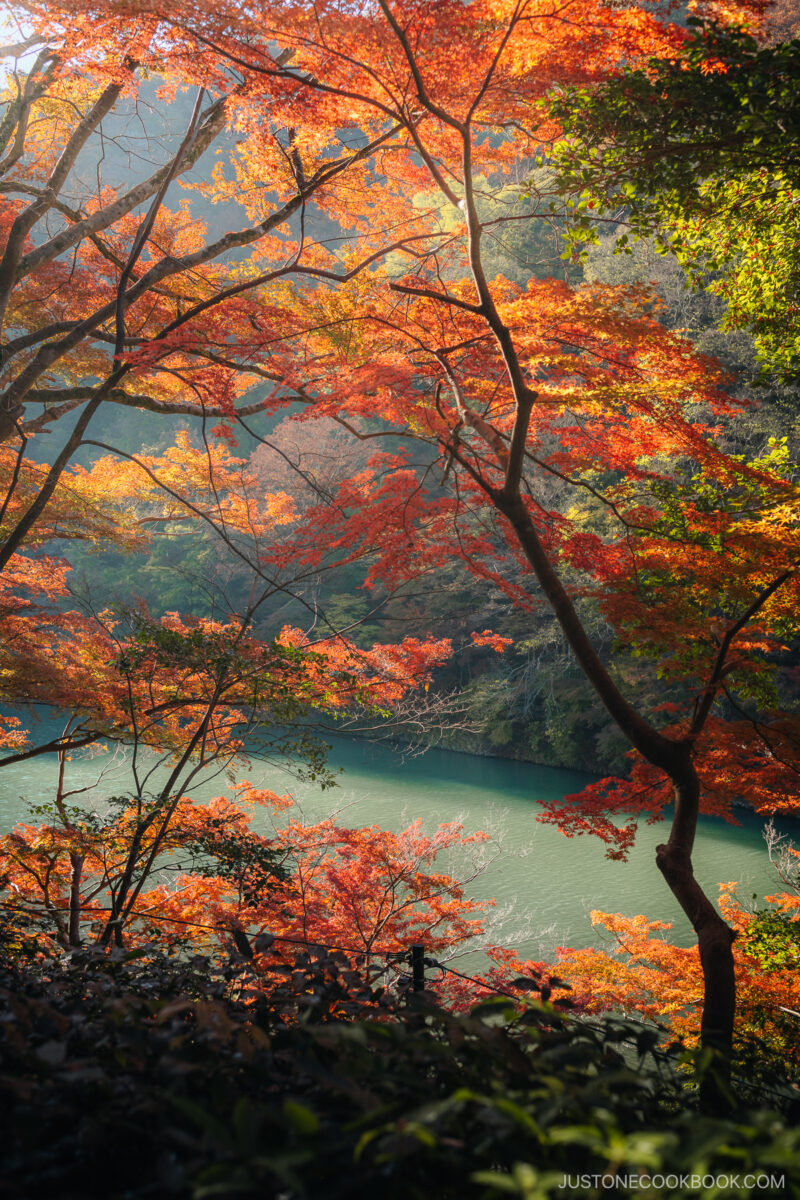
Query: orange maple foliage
[(645, 974), (366, 892)]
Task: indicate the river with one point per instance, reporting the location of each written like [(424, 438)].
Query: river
[(551, 882)]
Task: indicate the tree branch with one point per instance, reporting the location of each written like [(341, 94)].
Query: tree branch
[(718, 670)]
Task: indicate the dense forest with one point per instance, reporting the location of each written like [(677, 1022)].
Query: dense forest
[(424, 371)]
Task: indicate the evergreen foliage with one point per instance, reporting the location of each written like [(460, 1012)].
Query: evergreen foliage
[(128, 1076)]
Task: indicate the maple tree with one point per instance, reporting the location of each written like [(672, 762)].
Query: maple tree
[(194, 690), (175, 873), (580, 446), (647, 973)]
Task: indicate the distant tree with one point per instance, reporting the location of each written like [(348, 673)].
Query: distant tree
[(701, 149)]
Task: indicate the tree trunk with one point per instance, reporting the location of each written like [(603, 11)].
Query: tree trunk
[(674, 858), (714, 936), (76, 862)]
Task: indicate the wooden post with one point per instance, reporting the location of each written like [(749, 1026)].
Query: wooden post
[(418, 968)]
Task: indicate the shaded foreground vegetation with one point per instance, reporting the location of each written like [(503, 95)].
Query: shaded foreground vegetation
[(140, 1074)]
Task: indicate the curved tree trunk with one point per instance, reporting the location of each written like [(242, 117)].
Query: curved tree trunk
[(714, 936), (673, 858)]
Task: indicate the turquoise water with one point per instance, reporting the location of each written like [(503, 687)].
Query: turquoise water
[(549, 882)]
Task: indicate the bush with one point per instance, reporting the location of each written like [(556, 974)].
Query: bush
[(138, 1075)]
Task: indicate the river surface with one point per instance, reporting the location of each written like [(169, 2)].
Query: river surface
[(550, 882)]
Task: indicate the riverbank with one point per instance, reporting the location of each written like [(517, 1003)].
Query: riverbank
[(484, 750)]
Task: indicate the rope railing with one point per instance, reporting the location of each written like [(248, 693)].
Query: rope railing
[(415, 955), (224, 929), (389, 955), (414, 952)]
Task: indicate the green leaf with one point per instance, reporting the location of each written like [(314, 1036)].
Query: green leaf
[(301, 1118)]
